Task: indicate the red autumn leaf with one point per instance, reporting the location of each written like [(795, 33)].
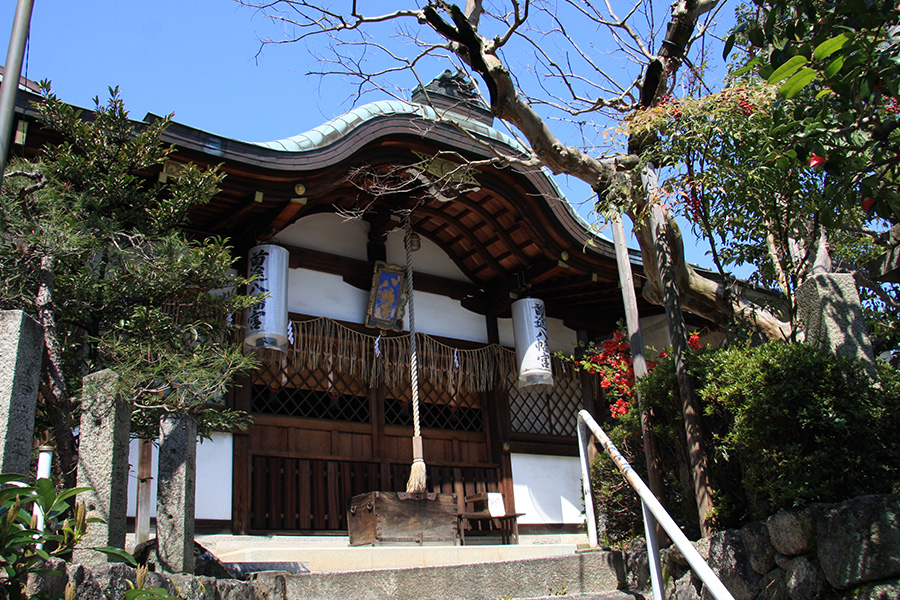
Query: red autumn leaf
[(815, 160)]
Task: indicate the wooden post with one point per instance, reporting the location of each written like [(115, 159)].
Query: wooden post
[(639, 362), (144, 477)]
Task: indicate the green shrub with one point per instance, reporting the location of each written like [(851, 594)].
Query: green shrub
[(785, 425), (806, 425), (23, 548), (613, 496)]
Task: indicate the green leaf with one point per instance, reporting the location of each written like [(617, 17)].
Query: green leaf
[(747, 68), (829, 47), (823, 93), (729, 44), (827, 217), (118, 554), (834, 66), (60, 500), (781, 130), (756, 37), (865, 89), (796, 83), (787, 69)]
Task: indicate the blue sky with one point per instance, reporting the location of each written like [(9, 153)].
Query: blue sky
[(195, 58)]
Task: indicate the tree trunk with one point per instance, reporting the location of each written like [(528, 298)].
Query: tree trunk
[(690, 410), (702, 296), (53, 390)]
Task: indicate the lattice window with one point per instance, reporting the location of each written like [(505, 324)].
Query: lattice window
[(438, 408), (542, 411), (565, 402), (316, 394)]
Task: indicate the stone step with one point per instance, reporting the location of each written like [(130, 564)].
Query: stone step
[(590, 575), (333, 553), (617, 595)]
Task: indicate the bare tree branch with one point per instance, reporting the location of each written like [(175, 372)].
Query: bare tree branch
[(459, 31)]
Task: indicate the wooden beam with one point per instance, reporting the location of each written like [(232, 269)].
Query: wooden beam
[(288, 214), (497, 296), (359, 273)]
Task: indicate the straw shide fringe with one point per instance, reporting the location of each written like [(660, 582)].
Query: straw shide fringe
[(322, 341)]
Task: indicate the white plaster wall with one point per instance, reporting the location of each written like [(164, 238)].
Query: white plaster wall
[(547, 489), (348, 237), (214, 471), (655, 333), (428, 259), (325, 295), (328, 232), (440, 315), (562, 339)]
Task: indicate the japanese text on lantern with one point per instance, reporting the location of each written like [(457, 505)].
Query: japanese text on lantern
[(258, 286)]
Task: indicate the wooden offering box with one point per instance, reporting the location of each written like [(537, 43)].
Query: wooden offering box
[(378, 518)]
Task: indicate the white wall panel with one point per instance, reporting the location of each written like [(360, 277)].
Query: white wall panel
[(325, 295), (328, 233), (214, 477), (547, 489)]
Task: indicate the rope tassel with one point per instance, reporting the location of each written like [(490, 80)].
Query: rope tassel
[(417, 474)]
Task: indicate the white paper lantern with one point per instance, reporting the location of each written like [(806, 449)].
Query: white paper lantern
[(267, 321), (532, 347)]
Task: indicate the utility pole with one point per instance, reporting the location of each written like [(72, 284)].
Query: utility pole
[(17, 39)]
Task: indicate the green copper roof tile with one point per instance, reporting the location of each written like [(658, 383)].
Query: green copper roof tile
[(333, 130)]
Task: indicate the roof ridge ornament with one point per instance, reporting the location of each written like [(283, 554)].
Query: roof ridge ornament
[(454, 92)]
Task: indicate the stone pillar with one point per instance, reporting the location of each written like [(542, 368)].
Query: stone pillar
[(103, 464), (832, 316), (175, 493), (21, 350)]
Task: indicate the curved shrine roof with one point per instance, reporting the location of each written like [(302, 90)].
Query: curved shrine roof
[(508, 228)]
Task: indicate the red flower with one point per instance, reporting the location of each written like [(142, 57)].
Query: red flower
[(815, 160), (619, 408), (664, 354), (604, 384), (867, 204), (694, 341)]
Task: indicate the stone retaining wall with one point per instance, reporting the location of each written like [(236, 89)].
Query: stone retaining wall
[(849, 550)]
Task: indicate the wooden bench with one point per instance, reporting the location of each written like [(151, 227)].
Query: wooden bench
[(476, 520)]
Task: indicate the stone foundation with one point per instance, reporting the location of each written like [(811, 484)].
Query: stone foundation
[(845, 550)]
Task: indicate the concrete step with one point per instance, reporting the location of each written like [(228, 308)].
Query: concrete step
[(333, 553), (589, 575), (595, 596)]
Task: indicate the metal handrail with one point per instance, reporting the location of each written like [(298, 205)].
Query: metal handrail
[(653, 513)]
